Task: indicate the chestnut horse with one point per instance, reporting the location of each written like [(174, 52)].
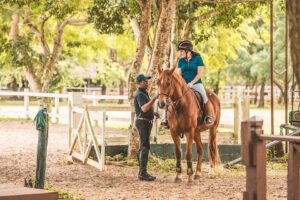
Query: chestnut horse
[(182, 114)]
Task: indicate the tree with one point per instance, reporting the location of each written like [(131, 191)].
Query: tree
[(294, 31), (31, 48)]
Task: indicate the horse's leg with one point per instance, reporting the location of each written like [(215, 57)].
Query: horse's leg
[(197, 139), (189, 144), (213, 153), (177, 144)]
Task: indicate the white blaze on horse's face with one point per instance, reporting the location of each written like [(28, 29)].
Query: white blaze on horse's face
[(163, 83)]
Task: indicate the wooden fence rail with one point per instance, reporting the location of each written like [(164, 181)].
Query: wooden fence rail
[(254, 158), (239, 104)]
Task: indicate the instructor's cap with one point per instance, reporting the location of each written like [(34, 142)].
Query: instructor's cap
[(141, 77)]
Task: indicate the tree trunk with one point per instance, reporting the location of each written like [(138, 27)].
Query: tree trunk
[(294, 30), (255, 95), (121, 91), (103, 90), (163, 32), (261, 102), (14, 27), (169, 37), (281, 88), (216, 90), (173, 53), (145, 7), (136, 31), (34, 83)]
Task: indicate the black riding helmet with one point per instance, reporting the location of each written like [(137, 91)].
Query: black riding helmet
[(185, 45)]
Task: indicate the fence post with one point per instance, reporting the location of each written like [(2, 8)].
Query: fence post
[(75, 99), (293, 171), (245, 108), (254, 157), (237, 119), (103, 141), (26, 102), (56, 108), (41, 121), (95, 102)]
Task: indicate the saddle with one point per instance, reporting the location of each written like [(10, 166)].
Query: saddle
[(200, 103)]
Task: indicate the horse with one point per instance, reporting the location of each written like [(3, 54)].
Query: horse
[(182, 113)]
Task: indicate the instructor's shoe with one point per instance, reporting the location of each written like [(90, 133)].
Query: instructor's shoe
[(146, 177)]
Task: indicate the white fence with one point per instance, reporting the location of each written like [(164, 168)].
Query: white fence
[(240, 107)]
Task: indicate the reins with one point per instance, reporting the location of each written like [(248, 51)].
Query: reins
[(175, 103)]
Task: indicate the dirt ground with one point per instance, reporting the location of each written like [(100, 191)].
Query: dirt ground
[(18, 156)]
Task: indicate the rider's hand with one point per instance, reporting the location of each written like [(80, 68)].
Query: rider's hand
[(190, 85)]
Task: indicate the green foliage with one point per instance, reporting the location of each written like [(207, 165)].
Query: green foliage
[(108, 72), (253, 63), (107, 16), (20, 53), (60, 8)]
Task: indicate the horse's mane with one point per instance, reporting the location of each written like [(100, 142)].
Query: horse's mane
[(175, 76)]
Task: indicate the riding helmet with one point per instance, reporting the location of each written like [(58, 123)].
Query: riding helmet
[(185, 45)]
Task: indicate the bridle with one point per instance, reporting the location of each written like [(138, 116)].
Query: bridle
[(169, 100), (174, 104)]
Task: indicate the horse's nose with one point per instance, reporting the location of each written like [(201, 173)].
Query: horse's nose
[(161, 104)]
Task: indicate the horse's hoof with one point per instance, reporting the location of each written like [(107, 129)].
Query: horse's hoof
[(197, 176), (190, 181), (177, 180), (211, 173)]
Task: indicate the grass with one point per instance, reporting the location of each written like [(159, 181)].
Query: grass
[(63, 194)]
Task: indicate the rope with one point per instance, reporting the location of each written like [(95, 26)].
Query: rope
[(40, 119)]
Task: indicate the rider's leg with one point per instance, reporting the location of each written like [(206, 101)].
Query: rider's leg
[(208, 111)]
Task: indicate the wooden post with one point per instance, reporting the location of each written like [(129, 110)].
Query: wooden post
[(103, 141), (41, 148), (254, 157), (56, 108), (245, 108), (237, 119), (26, 102), (75, 99), (293, 171), (95, 102), (70, 118), (85, 126)]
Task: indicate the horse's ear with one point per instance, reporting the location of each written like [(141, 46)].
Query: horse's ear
[(159, 69), (172, 70)]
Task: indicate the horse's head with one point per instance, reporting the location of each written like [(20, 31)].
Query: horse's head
[(165, 86)]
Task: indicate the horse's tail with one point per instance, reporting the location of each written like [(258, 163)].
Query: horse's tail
[(213, 151)]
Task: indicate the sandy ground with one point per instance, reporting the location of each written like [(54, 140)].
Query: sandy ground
[(18, 156)]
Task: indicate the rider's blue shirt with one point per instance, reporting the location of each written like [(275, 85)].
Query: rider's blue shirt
[(189, 68)]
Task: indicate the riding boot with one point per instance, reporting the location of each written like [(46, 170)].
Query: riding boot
[(207, 111), (143, 157), (164, 123)]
